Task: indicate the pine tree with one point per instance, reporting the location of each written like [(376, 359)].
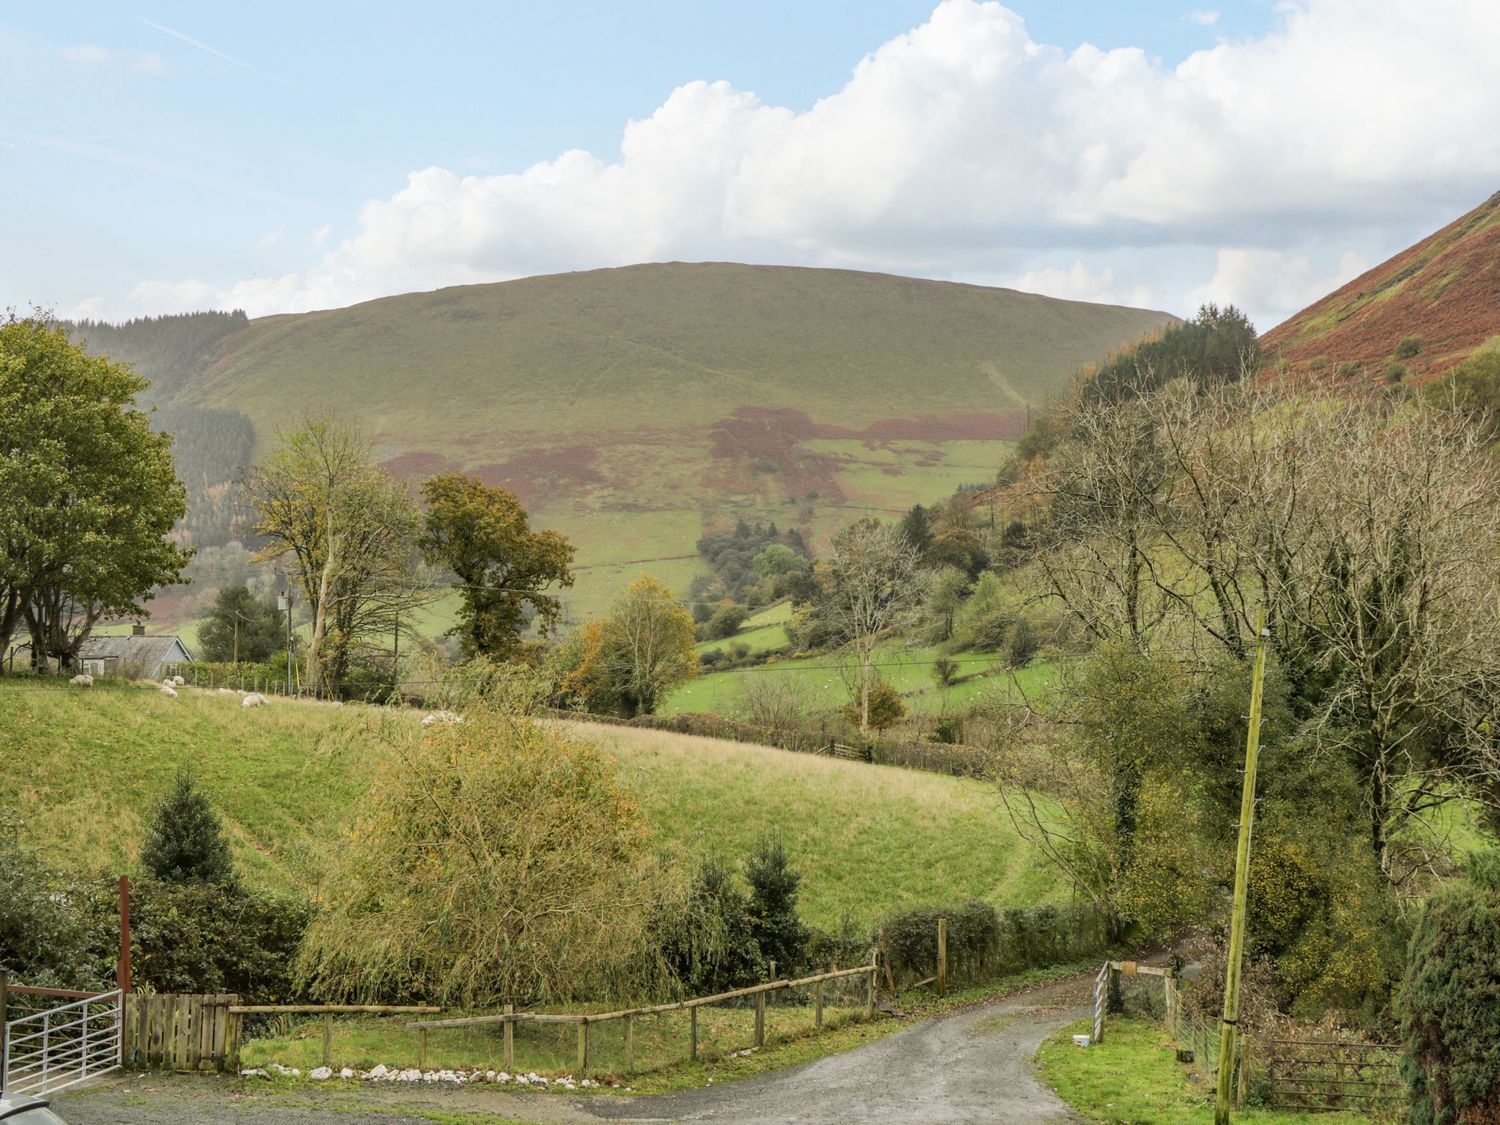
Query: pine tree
[(185, 843), (773, 906)]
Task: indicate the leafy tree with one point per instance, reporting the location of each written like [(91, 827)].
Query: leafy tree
[(726, 621), (88, 494), (885, 707), (241, 627), (872, 582), (774, 921), (714, 948), (1022, 644), (185, 842), (1216, 345), (483, 535), (497, 859), (630, 659), (949, 589), (958, 548), (348, 531), (41, 942), (944, 671), (1450, 1002)]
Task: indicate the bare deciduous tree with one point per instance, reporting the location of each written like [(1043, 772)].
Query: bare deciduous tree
[(873, 581)]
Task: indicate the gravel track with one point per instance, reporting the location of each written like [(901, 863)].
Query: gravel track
[(970, 1066)]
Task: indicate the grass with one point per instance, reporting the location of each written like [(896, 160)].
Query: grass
[(764, 631), (909, 668), (1133, 1076), (286, 777)]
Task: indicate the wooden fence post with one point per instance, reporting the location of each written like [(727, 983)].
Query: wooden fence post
[(942, 958), (510, 1038), (583, 1047), (760, 1019), (4, 996), (328, 1039), (421, 1048), (693, 1034), (818, 1005), (870, 994), (629, 1044)]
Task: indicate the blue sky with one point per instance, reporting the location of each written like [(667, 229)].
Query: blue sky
[(286, 156)]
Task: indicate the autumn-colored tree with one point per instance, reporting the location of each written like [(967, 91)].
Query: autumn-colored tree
[(631, 658), (483, 535)]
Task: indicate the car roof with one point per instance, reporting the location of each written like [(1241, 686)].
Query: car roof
[(14, 1105)]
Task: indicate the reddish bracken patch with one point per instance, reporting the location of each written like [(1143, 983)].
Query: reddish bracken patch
[(539, 476), (1445, 289), (417, 465)]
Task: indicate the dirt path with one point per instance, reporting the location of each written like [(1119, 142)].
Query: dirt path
[(971, 1066)]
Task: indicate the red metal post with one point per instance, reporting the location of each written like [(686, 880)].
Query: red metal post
[(122, 976)]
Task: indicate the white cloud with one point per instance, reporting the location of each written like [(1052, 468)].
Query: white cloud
[(320, 236), (91, 54), (174, 296), (90, 308), (269, 239), (963, 148), (1273, 279), (1202, 17), (1077, 283)]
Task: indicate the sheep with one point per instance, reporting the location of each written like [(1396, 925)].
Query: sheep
[(169, 690), (178, 681), (441, 717), (84, 680), (254, 699), (226, 691)]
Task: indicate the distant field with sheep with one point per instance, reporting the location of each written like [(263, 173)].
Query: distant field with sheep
[(82, 768)]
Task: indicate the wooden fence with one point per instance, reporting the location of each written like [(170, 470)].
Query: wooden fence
[(585, 1020), (171, 1031)]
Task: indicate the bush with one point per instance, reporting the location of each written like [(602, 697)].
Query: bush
[(710, 945), (944, 671), (777, 929), (985, 943), (1408, 347), (185, 843), (886, 707), (1450, 1002), (1022, 644), (530, 830), (199, 938), (42, 942), (725, 622)]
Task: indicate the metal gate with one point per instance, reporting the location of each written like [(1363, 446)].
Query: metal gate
[(62, 1046)]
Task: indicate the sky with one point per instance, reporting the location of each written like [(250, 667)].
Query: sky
[(160, 157)]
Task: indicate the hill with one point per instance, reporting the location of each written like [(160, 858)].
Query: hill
[(1444, 291), (869, 839), (635, 408)]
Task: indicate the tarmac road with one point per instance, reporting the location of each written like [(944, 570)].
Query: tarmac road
[(971, 1066)]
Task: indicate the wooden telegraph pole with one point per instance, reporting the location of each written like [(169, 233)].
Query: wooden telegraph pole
[(1228, 1030)]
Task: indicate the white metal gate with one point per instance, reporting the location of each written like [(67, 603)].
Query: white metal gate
[(61, 1046)]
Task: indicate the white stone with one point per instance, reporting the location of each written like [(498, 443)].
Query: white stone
[(321, 1074), (346, 1073), (412, 1074), (380, 1071)]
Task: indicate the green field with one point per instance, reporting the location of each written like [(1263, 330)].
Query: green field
[(818, 679), (87, 766), (762, 632)]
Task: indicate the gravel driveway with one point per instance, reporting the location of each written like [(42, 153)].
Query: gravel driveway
[(971, 1066)]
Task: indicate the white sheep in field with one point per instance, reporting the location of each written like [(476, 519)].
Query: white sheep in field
[(178, 681), (226, 691), (168, 689), (254, 699), (84, 680), (441, 717)]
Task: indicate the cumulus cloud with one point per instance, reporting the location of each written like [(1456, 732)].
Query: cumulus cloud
[(1202, 17), (1258, 279), (175, 296), (1077, 283), (964, 148)]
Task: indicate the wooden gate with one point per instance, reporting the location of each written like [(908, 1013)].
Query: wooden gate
[(181, 1032)]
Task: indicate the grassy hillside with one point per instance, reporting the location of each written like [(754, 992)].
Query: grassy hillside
[(81, 770), (637, 408), (1445, 290)]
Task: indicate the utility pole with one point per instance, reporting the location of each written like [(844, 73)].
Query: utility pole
[(1228, 1031)]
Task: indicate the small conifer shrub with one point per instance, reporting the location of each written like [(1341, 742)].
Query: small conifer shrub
[(185, 842)]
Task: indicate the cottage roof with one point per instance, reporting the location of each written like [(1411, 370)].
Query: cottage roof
[(146, 651)]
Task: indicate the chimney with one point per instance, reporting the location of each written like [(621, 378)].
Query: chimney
[(138, 629)]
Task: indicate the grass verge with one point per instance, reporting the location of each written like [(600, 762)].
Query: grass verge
[(1133, 1076)]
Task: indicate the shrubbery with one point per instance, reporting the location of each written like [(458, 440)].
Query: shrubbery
[(984, 943), (1451, 1002)]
